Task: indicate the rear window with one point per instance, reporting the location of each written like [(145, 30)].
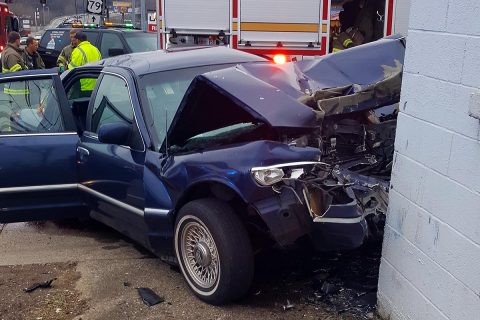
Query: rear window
[(55, 39), (141, 41), (59, 39)]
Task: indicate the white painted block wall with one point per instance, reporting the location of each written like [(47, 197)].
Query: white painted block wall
[(430, 265)]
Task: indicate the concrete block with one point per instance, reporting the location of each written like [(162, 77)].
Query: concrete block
[(471, 68), (464, 162), (436, 55), (442, 103), (437, 240), (445, 292), (423, 142), (445, 199), (474, 105), (425, 16), (463, 16), (398, 299)]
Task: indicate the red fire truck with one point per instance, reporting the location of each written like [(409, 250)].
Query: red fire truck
[(8, 23), (299, 29)]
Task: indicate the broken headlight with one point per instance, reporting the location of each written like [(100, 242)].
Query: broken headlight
[(268, 176)]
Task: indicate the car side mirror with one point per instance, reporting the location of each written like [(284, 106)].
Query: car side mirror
[(115, 52), (115, 133)]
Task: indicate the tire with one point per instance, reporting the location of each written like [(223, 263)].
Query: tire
[(210, 238)]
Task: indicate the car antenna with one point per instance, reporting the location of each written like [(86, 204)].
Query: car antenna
[(166, 131)]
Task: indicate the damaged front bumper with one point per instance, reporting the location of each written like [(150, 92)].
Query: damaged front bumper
[(330, 205)]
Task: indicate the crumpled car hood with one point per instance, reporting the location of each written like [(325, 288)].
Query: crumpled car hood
[(293, 95)]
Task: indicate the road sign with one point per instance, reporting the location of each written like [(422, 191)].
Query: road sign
[(152, 21), (94, 6)]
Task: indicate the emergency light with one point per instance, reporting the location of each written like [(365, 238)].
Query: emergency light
[(279, 58)]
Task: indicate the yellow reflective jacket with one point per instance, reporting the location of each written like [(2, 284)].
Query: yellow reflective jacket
[(12, 59), (85, 53)]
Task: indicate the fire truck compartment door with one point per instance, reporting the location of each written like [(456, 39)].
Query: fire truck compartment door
[(280, 20), (186, 15)]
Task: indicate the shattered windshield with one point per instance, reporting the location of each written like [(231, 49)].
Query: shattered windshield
[(163, 92)]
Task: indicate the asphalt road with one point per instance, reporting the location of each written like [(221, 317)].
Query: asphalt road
[(96, 272)]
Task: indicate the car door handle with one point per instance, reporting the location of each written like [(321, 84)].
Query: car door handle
[(83, 154)]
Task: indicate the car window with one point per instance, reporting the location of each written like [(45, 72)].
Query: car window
[(75, 91), (111, 45), (92, 37), (163, 92), (112, 103), (55, 39), (29, 106), (141, 41)]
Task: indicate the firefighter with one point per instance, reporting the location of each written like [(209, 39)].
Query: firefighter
[(30, 55), (12, 56), (349, 38), (84, 53), (66, 54)]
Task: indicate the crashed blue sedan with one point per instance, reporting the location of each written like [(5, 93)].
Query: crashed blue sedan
[(205, 156)]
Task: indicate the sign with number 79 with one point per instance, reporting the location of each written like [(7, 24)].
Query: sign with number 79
[(94, 6)]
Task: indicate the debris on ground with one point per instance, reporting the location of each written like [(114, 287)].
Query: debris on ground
[(288, 306), (340, 283), (44, 285), (149, 297)]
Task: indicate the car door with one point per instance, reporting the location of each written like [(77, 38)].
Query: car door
[(38, 141), (112, 175)]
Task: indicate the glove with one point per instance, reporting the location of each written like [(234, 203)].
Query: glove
[(61, 69)]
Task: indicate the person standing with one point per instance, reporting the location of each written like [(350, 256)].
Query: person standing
[(30, 55), (84, 53), (12, 59), (66, 54)]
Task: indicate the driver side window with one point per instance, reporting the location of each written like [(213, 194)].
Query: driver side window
[(113, 104)]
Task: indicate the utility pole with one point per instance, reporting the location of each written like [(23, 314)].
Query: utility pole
[(43, 13), (159, 32), (36, 22), (143, 14), (134, 6)]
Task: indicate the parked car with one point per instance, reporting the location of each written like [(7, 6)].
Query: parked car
[(110, 41), (204, 172)]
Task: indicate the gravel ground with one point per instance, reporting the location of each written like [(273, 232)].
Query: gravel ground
[(97, 272)]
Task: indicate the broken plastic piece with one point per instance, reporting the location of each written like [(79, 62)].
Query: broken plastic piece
[(149, 297), (35, 286), (288, 306)]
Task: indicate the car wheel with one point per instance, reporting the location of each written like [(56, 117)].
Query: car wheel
[(214, 251)]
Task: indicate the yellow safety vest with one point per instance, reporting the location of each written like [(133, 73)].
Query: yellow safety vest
[(85, 53)]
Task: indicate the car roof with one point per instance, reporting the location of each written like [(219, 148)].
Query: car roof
[(180, 58), (120, 30)]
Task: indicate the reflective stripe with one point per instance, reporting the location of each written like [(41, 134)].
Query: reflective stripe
[(14, 68), (85, 60), (347, 42), (336, 50), (62, 61), (15, 91)]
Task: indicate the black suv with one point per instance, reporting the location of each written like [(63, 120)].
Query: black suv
[(111, 42)]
